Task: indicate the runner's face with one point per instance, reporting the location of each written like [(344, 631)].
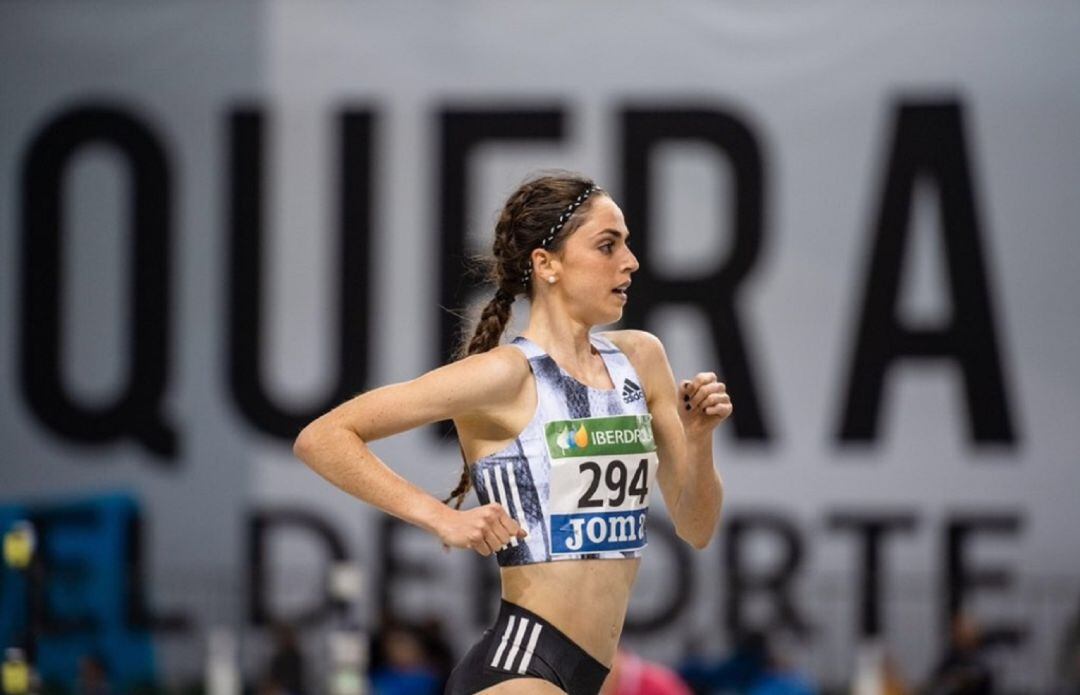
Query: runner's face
[(596, 264)]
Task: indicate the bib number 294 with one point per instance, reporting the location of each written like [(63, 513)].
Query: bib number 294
[(601, 471), (617, 481)]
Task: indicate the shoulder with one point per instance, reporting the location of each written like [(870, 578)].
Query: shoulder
[(648, 357), (477, 382), (644, 349), (503, 365), (481, 383), (497, 380)]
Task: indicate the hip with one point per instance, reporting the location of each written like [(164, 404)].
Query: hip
[(585, 599)]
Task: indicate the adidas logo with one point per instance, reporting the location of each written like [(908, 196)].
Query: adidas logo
[(631, 392)]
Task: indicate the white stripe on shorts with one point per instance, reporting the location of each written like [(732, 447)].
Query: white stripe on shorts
[(522, 626), (502, 644), (527, 656)]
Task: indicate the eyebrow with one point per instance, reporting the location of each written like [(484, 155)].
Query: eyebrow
[(613, 232)]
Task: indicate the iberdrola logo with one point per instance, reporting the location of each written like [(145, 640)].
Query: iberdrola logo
[(568, 441)]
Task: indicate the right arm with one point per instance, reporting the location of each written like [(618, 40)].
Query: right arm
[(335, 444)]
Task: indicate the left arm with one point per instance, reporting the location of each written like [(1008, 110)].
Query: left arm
[(693, 490)]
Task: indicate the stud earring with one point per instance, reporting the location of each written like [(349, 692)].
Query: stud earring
[(551, 279)]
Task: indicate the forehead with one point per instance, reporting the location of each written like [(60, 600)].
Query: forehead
[(602, 214)]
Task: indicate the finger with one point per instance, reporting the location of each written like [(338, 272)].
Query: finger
[(717, 397), (686, 392), (502, 536), (694, 386), (493, 540), (509, 524), (723, 401), (514, 528), (722, 406), (499, 518), (476, 542), (703, 378), (699, 400), (492, 522), (720, 409), (708, 400), (485, 547), (506, 525), (714, 399)]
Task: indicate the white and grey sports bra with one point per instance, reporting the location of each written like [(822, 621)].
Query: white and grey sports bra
[(578, 476)]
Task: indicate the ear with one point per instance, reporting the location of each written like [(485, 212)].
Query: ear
[(544, 261)]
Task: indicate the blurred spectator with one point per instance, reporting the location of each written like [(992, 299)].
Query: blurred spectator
[(93, 676), (963, 669), (439, 653), (893, 682), (753, 668), (284, 673), (782, 679), (876, 671), (632, 675), (1068, 667), (410, 659), (737, 673)]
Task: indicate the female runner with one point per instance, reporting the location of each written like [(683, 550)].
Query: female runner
[(562, 432)]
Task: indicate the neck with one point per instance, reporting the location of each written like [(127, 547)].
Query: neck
[(562, 337)]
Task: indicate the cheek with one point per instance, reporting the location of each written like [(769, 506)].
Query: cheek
[(590, 279), (589, 273)]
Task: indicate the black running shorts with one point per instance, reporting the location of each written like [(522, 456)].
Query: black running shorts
[(521, 644)]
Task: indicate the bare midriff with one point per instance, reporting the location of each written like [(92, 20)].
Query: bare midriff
[(585, 599)]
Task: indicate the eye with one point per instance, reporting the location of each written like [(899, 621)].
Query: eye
[(607, 246)]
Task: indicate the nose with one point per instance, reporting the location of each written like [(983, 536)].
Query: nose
[(631, 262)]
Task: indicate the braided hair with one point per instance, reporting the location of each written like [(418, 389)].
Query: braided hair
[(541, 213)]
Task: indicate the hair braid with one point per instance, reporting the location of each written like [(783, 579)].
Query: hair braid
[(493, 321), (524, 224)]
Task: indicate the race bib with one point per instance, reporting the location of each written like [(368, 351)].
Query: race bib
[(601, 470)]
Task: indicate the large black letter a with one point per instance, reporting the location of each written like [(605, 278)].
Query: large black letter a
[(929, 141)]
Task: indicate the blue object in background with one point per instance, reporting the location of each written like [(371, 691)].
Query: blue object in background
[(783, 684), (78, 597)]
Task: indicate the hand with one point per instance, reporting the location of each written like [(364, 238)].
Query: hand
[(703, 403), (484, 529)]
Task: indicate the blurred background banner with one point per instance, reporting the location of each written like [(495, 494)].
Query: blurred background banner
[(218, 220), (84, 593)]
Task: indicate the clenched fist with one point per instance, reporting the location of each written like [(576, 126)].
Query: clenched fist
[(703, 403), (484, 529)]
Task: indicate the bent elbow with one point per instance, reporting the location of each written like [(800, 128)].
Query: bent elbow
[(697, 541), (305, 444), (700, 543), (316, 443)]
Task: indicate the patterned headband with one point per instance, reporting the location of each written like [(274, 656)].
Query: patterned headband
[(555, 228)]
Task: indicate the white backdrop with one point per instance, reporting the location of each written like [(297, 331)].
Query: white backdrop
[(819, 87)]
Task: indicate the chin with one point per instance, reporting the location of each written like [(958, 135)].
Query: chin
[(609, 317), (604, 315)]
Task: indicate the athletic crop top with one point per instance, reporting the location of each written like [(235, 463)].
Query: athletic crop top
[(578, 476)]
